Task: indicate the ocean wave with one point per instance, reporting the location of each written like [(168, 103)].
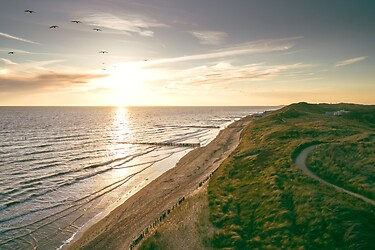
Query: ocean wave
[(60, 154)]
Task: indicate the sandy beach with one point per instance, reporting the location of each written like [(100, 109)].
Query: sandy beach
[(125, 223)]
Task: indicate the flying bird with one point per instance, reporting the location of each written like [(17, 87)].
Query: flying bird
[(29, 11), (76, 21), (97, 29), (103, 52), (11, 53), (53, 27)]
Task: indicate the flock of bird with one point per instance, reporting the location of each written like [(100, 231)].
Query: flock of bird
[(56, 26)]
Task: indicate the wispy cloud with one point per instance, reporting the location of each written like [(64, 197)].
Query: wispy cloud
[(29, 68), (209, 37), (47, 81), (17, 38), (350, 61), (284, 95), (37, 65), (263, 46), (7, 61), (128, 24), (15, 51), (39, 75), (222, 73)]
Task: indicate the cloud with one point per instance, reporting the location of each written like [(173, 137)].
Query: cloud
[(15, 51), (209, 37), (35, 66), (263, 46), (350, 61), (7, 61), (29, 68), (284, 95), (46, 81), (17, 38), (223, 73), (128, 24)]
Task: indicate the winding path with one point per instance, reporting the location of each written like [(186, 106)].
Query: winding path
[(301, 163)]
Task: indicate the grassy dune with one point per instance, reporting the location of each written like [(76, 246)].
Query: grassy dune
[(348, 165), (187, 227), (259, 199)]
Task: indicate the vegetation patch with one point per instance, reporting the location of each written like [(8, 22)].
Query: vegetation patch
[(348, 165), (186, 227), (259, 199)]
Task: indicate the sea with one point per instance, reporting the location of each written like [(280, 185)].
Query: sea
[(64, 168)]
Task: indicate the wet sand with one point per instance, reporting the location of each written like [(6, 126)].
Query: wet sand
[(125, 223)]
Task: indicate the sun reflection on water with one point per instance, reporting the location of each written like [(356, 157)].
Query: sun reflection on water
[(121, 134), (121, 126)]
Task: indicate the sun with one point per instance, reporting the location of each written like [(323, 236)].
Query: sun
[(126, 77), (4, 71), (127, 83)]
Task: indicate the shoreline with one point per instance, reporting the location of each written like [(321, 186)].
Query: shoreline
[(127, 221)]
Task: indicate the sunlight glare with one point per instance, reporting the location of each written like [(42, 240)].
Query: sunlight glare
[(4, 71), (127, 83), (122, 135)]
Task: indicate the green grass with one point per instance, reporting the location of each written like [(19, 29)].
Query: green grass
[(258, 198), (348, 165), (187, 227)]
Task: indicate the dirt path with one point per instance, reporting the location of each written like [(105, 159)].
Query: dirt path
[(301, 163), (126, 222)]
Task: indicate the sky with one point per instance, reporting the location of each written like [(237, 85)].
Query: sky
[(186, 53)]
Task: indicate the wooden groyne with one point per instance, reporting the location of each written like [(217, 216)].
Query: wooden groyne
[(168, 144), (154, 225)]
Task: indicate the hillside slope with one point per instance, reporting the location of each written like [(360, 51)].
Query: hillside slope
[(259, 199)]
